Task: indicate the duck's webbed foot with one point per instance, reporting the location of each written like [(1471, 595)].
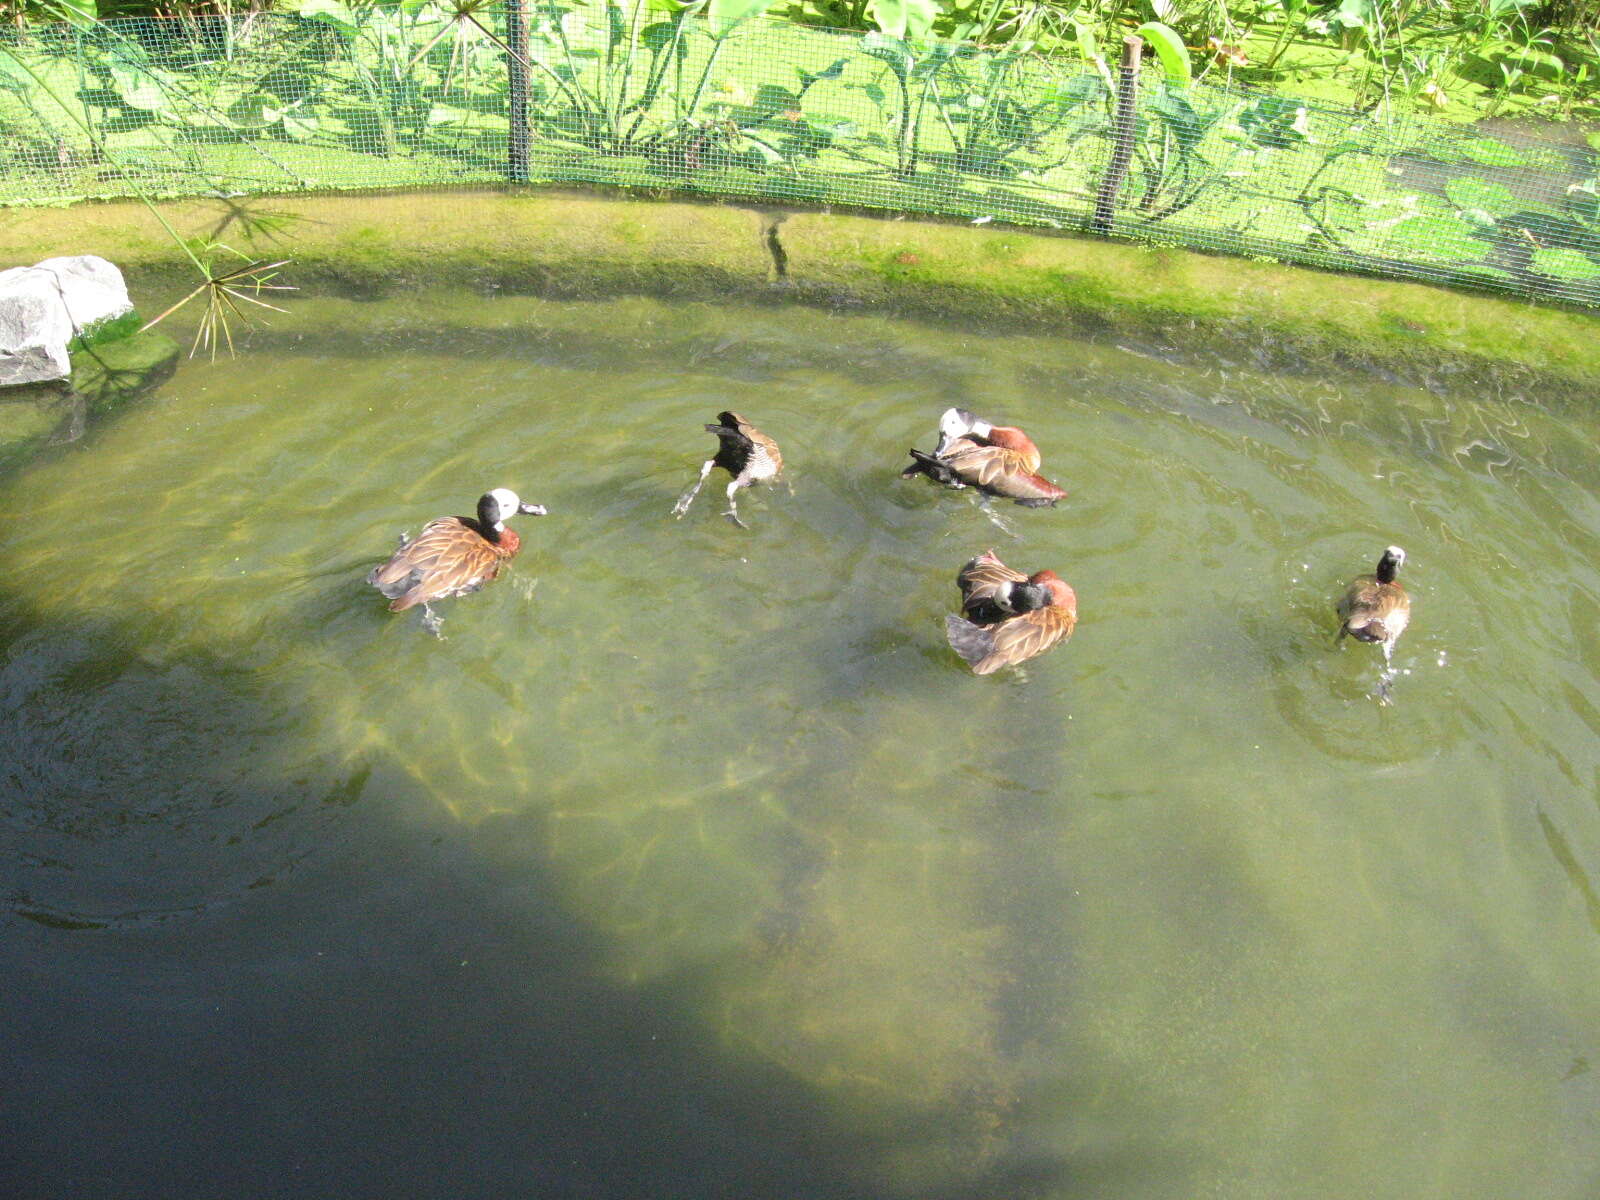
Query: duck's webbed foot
[(733, 508), (682, 506), (432, 622)]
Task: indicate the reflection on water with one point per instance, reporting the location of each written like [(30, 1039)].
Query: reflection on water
[(1181, 911)]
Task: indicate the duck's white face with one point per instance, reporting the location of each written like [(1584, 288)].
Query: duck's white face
[(1397, 554), (509, 504), (958, 422)]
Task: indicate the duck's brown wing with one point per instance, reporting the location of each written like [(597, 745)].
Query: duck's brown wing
[(1373, 611), (1015, 640), (983, 577), (449, 557), (1000, 471)]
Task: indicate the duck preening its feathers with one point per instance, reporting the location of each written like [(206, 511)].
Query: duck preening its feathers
[(1375, 608), (998, 460), (453, 555), (744, 452), (1008, 617)]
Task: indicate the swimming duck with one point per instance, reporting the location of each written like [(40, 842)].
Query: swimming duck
[(1375, 608), (1008, 617), (998, 460), (746, 453), (452, 555)]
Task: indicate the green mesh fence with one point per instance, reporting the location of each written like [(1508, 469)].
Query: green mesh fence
[(338, 97)]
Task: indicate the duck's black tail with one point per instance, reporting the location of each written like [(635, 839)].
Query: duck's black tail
[(927, 464), (732, 436)]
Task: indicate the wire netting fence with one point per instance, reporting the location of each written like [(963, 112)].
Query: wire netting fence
[(338, 97)]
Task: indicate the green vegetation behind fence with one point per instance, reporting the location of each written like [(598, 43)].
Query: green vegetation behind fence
[(334, 97)]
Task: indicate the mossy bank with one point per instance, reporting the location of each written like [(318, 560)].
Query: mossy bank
[(575, 244)]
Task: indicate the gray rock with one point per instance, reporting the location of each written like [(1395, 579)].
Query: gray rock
[(44, 307)]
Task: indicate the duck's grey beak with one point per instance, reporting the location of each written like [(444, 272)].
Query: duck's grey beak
[(533, 510)]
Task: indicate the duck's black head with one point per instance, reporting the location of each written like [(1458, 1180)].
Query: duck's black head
[(1391, 562), (1025, 597)]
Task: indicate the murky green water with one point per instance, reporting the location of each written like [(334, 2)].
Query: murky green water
[(693, 863)]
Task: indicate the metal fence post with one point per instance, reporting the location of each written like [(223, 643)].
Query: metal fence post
[(516, 66), (1122, 128)]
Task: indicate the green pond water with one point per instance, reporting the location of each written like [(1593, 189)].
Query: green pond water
[(692, 862)]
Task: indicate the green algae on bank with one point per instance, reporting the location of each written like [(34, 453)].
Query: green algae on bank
[(562, 244)]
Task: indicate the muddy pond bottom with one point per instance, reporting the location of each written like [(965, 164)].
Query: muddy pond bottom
[(692, 862)]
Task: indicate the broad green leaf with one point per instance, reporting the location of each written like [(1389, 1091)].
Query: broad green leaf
[(907, 20), (1441, 237), (931, 62), (1493, 198), (920, 15), (723, 15), (658, 37), (449, 114), (891, 50), (1187, 125), (140, 89), (302, 127), (1584, 199), (1169, 48), (254, 112), (1491, 153), (1355, 14), (829, 72), (82, 13), (1563, 263), (332, 12), (13, 74), (770, 98)]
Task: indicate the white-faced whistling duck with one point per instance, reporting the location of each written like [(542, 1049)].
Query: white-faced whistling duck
[(452, 555), (1008, 617), (1375, 608), (998, 460), (746, 453)]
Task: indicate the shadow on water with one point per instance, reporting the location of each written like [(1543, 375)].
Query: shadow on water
[(356, 996)]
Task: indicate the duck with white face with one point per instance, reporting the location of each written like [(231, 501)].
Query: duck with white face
[(1008, 617), (453, 555), (997, 460)]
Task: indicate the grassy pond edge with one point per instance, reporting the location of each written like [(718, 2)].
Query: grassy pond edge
[(568, 243)]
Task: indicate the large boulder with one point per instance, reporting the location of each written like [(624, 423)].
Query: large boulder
[(43, 307)]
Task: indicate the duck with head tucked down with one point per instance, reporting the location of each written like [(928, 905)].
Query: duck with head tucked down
[(452, 555), (744, 452), (1008, 617), (997, 460)]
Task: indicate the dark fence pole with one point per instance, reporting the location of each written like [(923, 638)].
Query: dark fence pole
[(1122, 128), (516, 65)]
